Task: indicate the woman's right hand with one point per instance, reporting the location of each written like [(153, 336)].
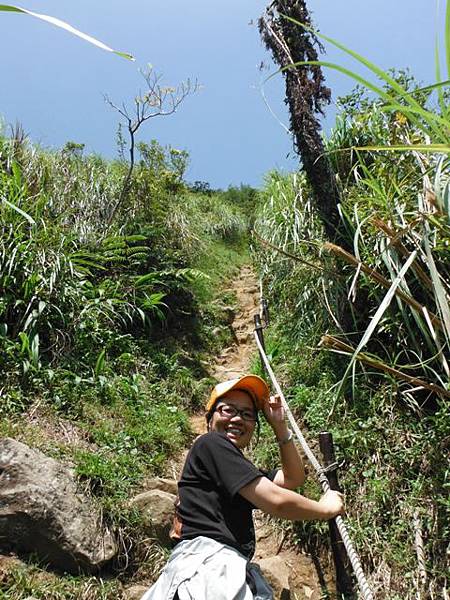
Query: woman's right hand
[(332, 503)]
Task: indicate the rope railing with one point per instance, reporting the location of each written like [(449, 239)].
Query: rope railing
[(363, 584)]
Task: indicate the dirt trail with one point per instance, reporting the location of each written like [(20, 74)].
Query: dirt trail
[(293, 570)]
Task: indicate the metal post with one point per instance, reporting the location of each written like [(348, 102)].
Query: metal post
[(259, 330), (344, 583), (265, 312)]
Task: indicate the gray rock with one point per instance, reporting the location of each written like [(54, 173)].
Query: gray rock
[(276, 571), (157, 509), (41, 511)]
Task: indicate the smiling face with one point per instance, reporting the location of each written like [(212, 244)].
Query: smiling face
[(238, 430)]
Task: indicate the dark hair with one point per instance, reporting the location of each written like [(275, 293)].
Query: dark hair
[(212, 410)]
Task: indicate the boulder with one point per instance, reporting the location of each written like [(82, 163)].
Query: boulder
[(276, 571), (157, 509), (135, 592), (42, 512), (159, 483)]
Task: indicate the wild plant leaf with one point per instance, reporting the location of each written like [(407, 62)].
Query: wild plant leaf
[(442, 185), (100, 363), (438, 125), (413, 106), (376, 319), (439, 85), (432, 86), (150, 301), (34, 350), (188, 275), (439, 291), (25, 347), (427, 148), (141, 314), (66, 27), (21, 212), (87, 260), (148, 278), (383, 75)]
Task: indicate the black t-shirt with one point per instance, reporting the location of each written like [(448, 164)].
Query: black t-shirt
[(208, 500)]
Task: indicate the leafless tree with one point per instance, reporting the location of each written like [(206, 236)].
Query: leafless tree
[(155, 101)]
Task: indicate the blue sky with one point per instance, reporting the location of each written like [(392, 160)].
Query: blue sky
[(53, 83)]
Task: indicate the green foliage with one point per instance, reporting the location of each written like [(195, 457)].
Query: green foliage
[(136, 436), (104, 331), (245, 197)]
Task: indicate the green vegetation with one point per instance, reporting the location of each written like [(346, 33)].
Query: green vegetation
[(367, 364), (25, 581), (105, 329)]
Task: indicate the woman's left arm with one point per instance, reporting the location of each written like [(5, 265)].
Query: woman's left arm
[(292, 472)]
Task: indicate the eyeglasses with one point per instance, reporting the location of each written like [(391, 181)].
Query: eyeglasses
[(229, 411)]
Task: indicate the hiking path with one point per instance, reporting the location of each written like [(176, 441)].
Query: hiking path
[(293, 574)]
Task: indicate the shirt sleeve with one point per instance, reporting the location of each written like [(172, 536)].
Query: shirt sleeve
[(225, 464)]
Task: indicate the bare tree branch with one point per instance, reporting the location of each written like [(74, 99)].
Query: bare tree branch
[(156, 101)]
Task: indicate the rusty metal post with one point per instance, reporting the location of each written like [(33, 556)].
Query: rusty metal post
[(344, 583), (259, 328)]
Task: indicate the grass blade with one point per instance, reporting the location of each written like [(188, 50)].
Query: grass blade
[(431, 148), (364, 61), (374, 322), (30, 219), (340, 347), (66, 27), (435, 122), (100, 363)]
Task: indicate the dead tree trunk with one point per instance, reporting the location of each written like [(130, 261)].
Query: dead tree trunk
[(306, 95)]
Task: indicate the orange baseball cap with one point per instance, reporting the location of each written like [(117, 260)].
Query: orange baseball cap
[(252, 384)]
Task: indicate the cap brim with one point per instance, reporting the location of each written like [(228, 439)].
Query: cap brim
[(253, 384)]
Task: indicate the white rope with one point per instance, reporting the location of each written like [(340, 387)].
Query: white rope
[(353, 557)]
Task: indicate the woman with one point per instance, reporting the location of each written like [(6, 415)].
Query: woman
[(218, 490)]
